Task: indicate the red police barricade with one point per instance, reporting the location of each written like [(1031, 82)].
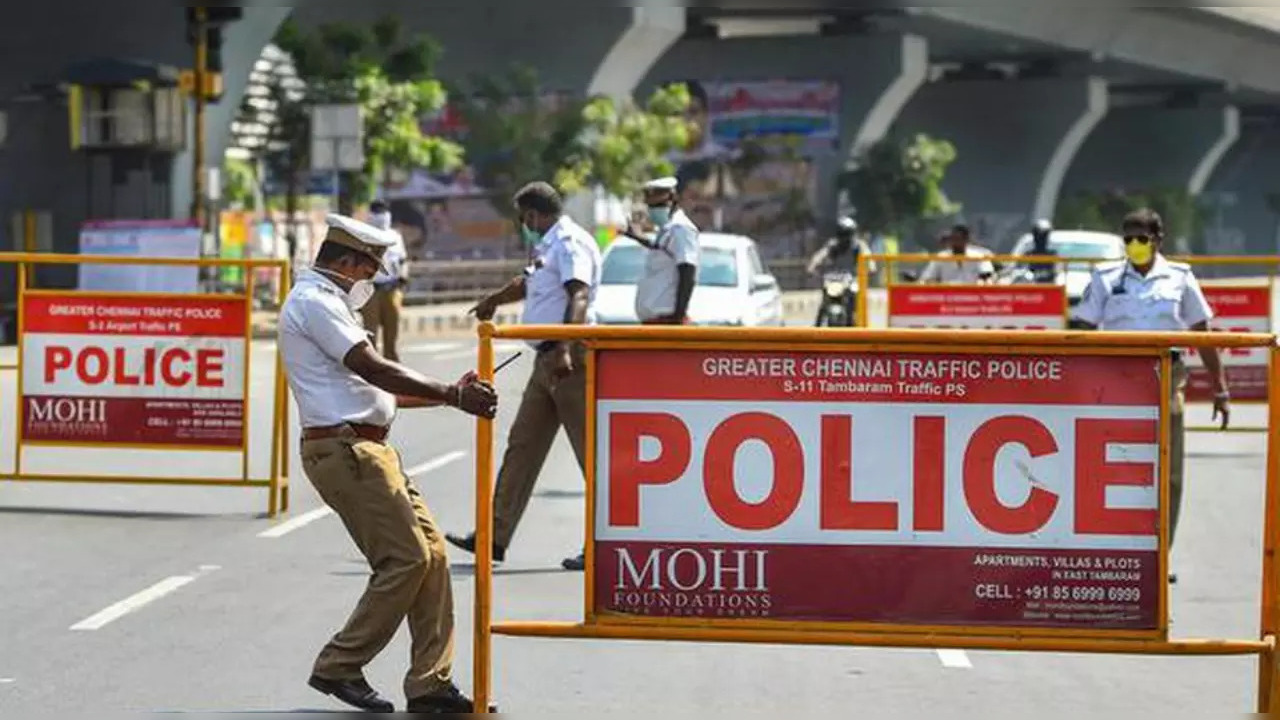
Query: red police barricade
[(124, 372), (1003, 492), (967, 307)]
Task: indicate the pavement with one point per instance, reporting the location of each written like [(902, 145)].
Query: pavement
[(223, 610)]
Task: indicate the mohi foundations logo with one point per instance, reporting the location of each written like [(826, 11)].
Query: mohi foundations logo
[(691, 582)]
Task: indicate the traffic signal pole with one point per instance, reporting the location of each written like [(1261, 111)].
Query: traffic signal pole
[(201, 71)]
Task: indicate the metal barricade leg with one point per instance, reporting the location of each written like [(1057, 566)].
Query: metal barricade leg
[(484, 534)]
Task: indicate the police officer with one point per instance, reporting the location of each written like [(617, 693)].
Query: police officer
[(1148, 292), (347, 397), (671, 265), (558, 288), (382, 313)]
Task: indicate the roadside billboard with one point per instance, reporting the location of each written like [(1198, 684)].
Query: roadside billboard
[(913, 489), (140, 239)]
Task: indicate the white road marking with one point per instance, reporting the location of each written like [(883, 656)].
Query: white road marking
[(289, 526), (435, 464), (321, 513), (141, 600), (6, 681), (432, 347), (958, 659)]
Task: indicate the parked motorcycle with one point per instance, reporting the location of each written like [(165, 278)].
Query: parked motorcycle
[(839, 297)]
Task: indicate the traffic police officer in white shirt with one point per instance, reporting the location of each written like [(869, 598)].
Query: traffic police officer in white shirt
[(1147, 292), (347, 397), (382, 313), (558, 287), (973, 270), (671, 265)]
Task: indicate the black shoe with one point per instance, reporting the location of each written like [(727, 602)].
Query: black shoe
[(448, 700), (578, 563), (468, 543), (1173, 578), (356, 693)]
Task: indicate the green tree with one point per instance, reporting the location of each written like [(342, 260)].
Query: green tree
[(896, 183), (1184, 215), (390, 77), (239, 183), (517, 132)]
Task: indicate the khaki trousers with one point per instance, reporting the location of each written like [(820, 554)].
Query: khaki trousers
[(387, 518), (382, 318), (547, 404), (1177, 433)]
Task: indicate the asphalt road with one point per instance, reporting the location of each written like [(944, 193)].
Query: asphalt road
[(234, 619)]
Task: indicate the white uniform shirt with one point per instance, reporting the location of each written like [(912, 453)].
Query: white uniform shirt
[(951, 272), (677, 244), (395, 257), (1168, 299), (317, 330), (566, 252)]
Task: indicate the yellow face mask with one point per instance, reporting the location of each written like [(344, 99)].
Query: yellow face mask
[(1139, 252)]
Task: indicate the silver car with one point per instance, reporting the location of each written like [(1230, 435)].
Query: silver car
[(1067, 244)]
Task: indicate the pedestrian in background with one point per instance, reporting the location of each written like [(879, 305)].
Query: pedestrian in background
[(961, 262), (382, 313), (347, 396), (559, 287), (1148, 292), (671, 263)]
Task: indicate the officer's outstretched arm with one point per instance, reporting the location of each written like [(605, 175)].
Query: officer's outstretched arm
[(474, 398)]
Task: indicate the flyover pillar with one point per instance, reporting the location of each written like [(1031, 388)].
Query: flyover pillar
[(1242, 195), (1015, 141), (1153, 147)]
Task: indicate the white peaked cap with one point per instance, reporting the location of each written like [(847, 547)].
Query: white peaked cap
[(665, 183), (359, 236)]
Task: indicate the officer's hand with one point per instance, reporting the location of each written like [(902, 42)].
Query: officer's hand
[(563, 364), (477, 398), (484, 310), (1222, 406)]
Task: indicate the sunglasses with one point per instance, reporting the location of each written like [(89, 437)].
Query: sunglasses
[(1141, 239)]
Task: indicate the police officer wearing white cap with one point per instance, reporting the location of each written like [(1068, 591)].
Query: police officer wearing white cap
[(671, 268), (347, 397), (1148, 292), (558, 288)]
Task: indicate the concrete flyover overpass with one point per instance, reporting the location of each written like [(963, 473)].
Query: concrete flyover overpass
[(1039, 101)]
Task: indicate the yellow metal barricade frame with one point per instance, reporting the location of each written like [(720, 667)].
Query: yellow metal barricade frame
[(1155, 345), (277, 480)]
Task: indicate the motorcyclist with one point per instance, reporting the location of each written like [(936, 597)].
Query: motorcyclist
[(840, 254), (1043, 273)]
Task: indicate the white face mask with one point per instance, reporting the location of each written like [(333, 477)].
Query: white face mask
[(359, 294)]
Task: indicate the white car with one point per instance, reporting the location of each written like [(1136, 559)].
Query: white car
[(734, 288), (1085, 244)]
